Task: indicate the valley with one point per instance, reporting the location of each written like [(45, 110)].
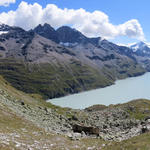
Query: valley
[(44, 63), (74, 75)]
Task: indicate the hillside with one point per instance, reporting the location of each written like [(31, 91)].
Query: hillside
[(28, 122), (53, 67)]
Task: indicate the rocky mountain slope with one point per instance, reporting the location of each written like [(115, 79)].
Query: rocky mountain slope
[(28, 122), (37, 65), (58, 62)]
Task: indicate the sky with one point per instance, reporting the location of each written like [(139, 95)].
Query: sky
[(120, 21)]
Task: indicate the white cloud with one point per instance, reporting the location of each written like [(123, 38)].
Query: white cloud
[(6, 2), (91, 24)]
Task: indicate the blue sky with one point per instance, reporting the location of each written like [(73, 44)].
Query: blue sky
[(118, 12)]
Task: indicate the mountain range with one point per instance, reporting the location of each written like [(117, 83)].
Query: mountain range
[(55, 63)]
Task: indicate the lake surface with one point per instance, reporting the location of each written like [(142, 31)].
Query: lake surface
[(122, 91)]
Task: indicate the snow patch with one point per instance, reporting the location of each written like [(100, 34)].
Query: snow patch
[(135, 48), (3, 32), (148, 45), (67, 44)]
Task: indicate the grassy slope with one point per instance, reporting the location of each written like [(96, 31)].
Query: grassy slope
[(50, 80), (15, 130), (123, 70), (26, 134), (137, 143), (18, 133), (138, 109)]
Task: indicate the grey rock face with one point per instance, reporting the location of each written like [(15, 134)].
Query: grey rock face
[(67, 34), (47, 31)]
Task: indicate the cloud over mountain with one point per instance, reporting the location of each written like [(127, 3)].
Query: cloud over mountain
[(91, 24)]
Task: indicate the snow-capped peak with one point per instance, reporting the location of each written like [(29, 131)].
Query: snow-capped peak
[(142, 48), (148, 45), (140, 45)]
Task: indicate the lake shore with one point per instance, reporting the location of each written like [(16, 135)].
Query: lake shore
[(122, 91)]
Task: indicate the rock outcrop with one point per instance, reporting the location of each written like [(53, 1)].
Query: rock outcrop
[(88, 130)]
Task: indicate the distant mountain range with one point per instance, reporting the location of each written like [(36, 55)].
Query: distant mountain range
[(55, 63), (141, 48)]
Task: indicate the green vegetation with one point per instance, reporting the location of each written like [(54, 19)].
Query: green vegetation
[(138, 109), (136, 143), (51, 80), (55, 80), (123, 70)]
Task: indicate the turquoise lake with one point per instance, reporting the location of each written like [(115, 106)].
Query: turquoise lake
[(122, 91)]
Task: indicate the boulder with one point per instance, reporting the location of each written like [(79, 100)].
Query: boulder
[(88, 130)]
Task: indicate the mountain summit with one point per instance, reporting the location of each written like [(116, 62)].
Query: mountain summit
[(64, 35), (72, 36), (141, 48), (47, 31), (67, 34)]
